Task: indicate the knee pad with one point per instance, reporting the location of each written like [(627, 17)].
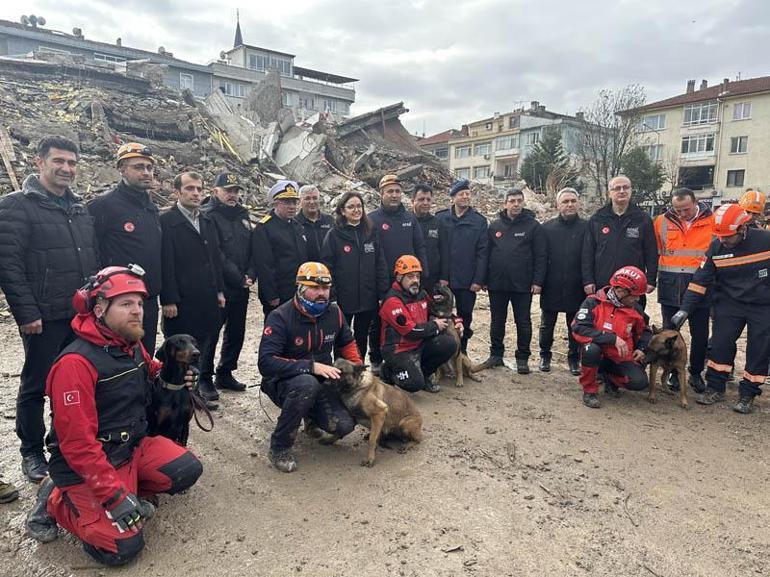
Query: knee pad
[(183, 471), (128, 549), (591, 355)]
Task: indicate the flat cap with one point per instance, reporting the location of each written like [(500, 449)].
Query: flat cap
[(389, 179)]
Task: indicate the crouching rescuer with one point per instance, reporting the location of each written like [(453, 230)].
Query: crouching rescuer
[(103, 465), (613, 330), (295, 358)]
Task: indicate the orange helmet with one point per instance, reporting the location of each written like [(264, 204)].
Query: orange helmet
[(753, 201), (313, 274), (631, 278), (407, 263), (728, 218), (133, 150)]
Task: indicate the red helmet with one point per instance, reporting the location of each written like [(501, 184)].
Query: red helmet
[(631, 278), (109, 283)]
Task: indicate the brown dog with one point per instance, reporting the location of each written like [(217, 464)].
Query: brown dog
[(442, 306), (386, 411), (668, 351)]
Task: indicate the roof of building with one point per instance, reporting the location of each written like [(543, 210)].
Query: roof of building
[(270, 50), (725, 89), (439, 138), (324, 76)]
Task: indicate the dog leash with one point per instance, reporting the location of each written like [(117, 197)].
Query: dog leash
[(199, 405)]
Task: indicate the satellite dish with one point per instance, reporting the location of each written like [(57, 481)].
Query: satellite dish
[(33, 20), (222, 55), (25, 20), (41, 21)]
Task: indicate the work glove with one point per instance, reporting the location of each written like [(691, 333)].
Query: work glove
[(678, 319), (126, 513)]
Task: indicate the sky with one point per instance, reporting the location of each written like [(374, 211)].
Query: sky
[(454, 62)]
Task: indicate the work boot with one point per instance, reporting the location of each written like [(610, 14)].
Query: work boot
[(744, 405), (282, 460), (710, 397), (431, 385), (574, 366), (375, 367), (697, 383), (315, 432), (229, 382), (610, 388), (545, 364), (207, 391), (591, 400), (34, 467), (8, 492), (522, 366), (40, 525), (491, 362), (673, 382)]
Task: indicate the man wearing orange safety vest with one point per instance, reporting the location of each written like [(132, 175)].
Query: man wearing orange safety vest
[(753, 202), (736, 275), (683, 235)]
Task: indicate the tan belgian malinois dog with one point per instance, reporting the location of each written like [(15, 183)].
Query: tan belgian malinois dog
[(442, 306), (668, 351)]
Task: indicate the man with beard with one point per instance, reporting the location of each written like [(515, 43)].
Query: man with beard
[(413, 345), (436, 237), (128, 230), (295, 356), (47, 250), (563, 288), (102, 460), (315, 223)]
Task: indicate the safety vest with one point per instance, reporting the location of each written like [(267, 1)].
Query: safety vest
[(682, 250)]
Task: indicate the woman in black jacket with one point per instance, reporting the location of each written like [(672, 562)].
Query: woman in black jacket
[(353, 253)]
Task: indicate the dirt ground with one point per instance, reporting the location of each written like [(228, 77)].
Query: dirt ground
[(515, 477)]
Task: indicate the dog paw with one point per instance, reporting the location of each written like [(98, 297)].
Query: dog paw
[(685, 405), (459, 385), (402, 450), (652, 400), (367, 463), (474, 378)]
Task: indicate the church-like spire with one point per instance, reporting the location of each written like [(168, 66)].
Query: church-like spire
[(238, 36)]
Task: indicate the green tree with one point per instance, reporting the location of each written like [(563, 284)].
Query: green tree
[(647, 177), (546, 157)]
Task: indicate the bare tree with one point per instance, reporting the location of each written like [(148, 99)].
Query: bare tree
[(670, 166), (610, 130)]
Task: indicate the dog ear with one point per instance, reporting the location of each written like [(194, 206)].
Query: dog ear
[(160, 354), (655, 329), (358, 369), (670, 341)]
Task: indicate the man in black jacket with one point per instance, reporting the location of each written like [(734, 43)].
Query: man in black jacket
[(193, 287), (517, 259), (128, 227), (400, 234), (315, 223), (563, 288), (278, 247), (47, 251), (436, 237), (231, 220), (619, 234)]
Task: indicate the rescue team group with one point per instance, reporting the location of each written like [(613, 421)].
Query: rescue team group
[(329, 285)]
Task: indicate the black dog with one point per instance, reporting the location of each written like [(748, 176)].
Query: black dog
[(172, 406)]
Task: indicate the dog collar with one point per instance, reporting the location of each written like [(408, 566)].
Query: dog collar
[(171, 386)]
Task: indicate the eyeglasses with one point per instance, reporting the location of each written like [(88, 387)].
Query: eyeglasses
[(620, 187)]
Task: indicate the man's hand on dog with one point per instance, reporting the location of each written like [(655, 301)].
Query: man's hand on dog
[(442, 324), (326, 371), (622, 347), (458, 325), (638, 356), (170, 311), (190, 378)]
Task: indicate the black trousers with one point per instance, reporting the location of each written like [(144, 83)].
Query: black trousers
[(375, 352), (498, 310), (234, 321), (150, 324), (465, 300), (305, 396), (40, 351), (547, 325), (410, 370), (360, 323), (699, 334)]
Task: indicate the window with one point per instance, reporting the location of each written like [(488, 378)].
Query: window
[(507, 142), (739, 145), (54, 50), (282, 65), (532, 138), (481, 149), (698, 144), (735, 177), (488, 126), (258, 61), (742, 111), (462, 151), (307, 102), (481, 172), (232, 89), (700, 113), (442, 152), (330, 105), (461, 173), (108, 58), (654, 152), (652, 122), (513, 122), (509, 170), (186, 81)]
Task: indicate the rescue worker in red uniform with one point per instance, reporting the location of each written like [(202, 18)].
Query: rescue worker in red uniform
[(736, 275), (103, 464), (613, 329), (295, 357), (413, 345)]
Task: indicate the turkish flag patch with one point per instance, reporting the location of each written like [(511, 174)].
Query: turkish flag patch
[(347, 248), (606, 230), (385, 226), (71, 398), (268, 331), (129, 227), (299, 341), (498, 234)]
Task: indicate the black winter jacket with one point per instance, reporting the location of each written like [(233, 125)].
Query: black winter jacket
[(359, 273), (613, 241), (516, 253), (234, 234), (128, 231), (563, 288), (46, 253), (467, 247), (278, 247), (436, 237), (400, 234), (315, 232)]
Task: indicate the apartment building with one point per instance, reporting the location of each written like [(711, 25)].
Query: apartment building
[(438, 144), (491, 150), (713, 139)]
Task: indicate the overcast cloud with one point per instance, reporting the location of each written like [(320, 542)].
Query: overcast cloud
[(453, 62)]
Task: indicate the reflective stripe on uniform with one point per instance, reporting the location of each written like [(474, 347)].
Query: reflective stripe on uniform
[(696, 288), (719, 367), (677, 269), (758, 379), (745, 259)]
